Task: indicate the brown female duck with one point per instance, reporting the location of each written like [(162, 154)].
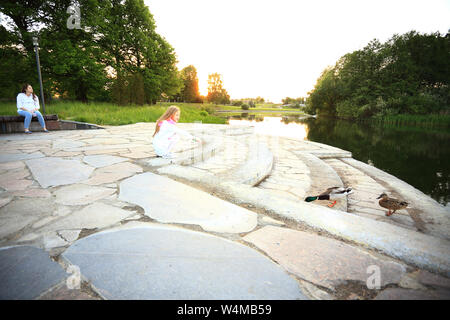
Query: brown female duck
[(391, 204)]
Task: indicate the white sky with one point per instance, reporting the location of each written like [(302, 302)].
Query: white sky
[(278, 48)]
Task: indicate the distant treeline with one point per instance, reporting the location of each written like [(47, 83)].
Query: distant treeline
[(409, 74)]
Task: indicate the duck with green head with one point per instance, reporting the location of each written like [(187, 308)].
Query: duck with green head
[(333, 193)]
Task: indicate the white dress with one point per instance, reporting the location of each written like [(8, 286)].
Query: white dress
[(166, 138)]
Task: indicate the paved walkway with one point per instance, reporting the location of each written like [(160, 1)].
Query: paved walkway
[(224, 220)]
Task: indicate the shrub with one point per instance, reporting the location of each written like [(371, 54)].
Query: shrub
[(245, 106), (210, 109)]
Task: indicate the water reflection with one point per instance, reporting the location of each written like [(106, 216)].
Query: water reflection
[(416, 155), (276, 126)]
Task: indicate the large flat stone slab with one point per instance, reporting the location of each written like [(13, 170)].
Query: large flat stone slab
[(33, 193), (99, 161), (322, 261), (13, 175), (11, 165), (113, 173), (5, 157), (79, 194), (4, 201), (67, 143), (12, 184), (26, 272), (166, 200), (106, 141), (56, 171), (97, 215), (21, 213), (161, 262)]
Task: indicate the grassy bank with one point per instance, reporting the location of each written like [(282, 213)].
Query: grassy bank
[(429, 121), (260, 107), (103, 113)]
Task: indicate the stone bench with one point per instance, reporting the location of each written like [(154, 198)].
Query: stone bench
[(11, 124)]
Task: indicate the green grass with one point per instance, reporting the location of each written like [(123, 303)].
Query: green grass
[(259, 107), (103, 113), (432, 120)]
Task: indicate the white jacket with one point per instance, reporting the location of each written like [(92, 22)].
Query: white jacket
[(27, 102), (166, 135)]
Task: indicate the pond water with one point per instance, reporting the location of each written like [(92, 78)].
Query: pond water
[(419, 156)]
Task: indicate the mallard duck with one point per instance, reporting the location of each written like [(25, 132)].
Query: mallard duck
[(391, 204), (332, 193)]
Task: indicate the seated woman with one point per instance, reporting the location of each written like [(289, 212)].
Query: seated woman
[(28, 106)]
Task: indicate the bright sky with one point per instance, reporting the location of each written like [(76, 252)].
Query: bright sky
[(279, 48)]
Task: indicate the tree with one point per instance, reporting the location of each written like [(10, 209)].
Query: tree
[(325, 96), (132, 45), (216, 93), (116, 45), (190, 92), (17, 66), (409, 74), (259, 100)]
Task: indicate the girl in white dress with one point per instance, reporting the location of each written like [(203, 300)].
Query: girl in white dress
[(167, 134)]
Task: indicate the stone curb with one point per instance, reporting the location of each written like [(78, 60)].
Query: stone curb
[(330, 152), (333, 180), (256, 168), (76, 125)]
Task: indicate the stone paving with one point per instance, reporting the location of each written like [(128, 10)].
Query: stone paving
[(171, 263), (322, 261), (100, 199)]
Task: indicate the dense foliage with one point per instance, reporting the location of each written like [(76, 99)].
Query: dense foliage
[(409, 74), (115, 55), (190, 91), (216, 92)]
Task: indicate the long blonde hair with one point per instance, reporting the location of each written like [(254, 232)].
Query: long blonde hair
[(167, 115)]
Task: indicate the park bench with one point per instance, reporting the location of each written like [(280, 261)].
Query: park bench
[(12, 124)]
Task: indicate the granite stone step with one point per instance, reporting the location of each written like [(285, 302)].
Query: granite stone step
[(209, 147), (428, 215), (256, 167), (364, 199), (322, 176), (232, 154)]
